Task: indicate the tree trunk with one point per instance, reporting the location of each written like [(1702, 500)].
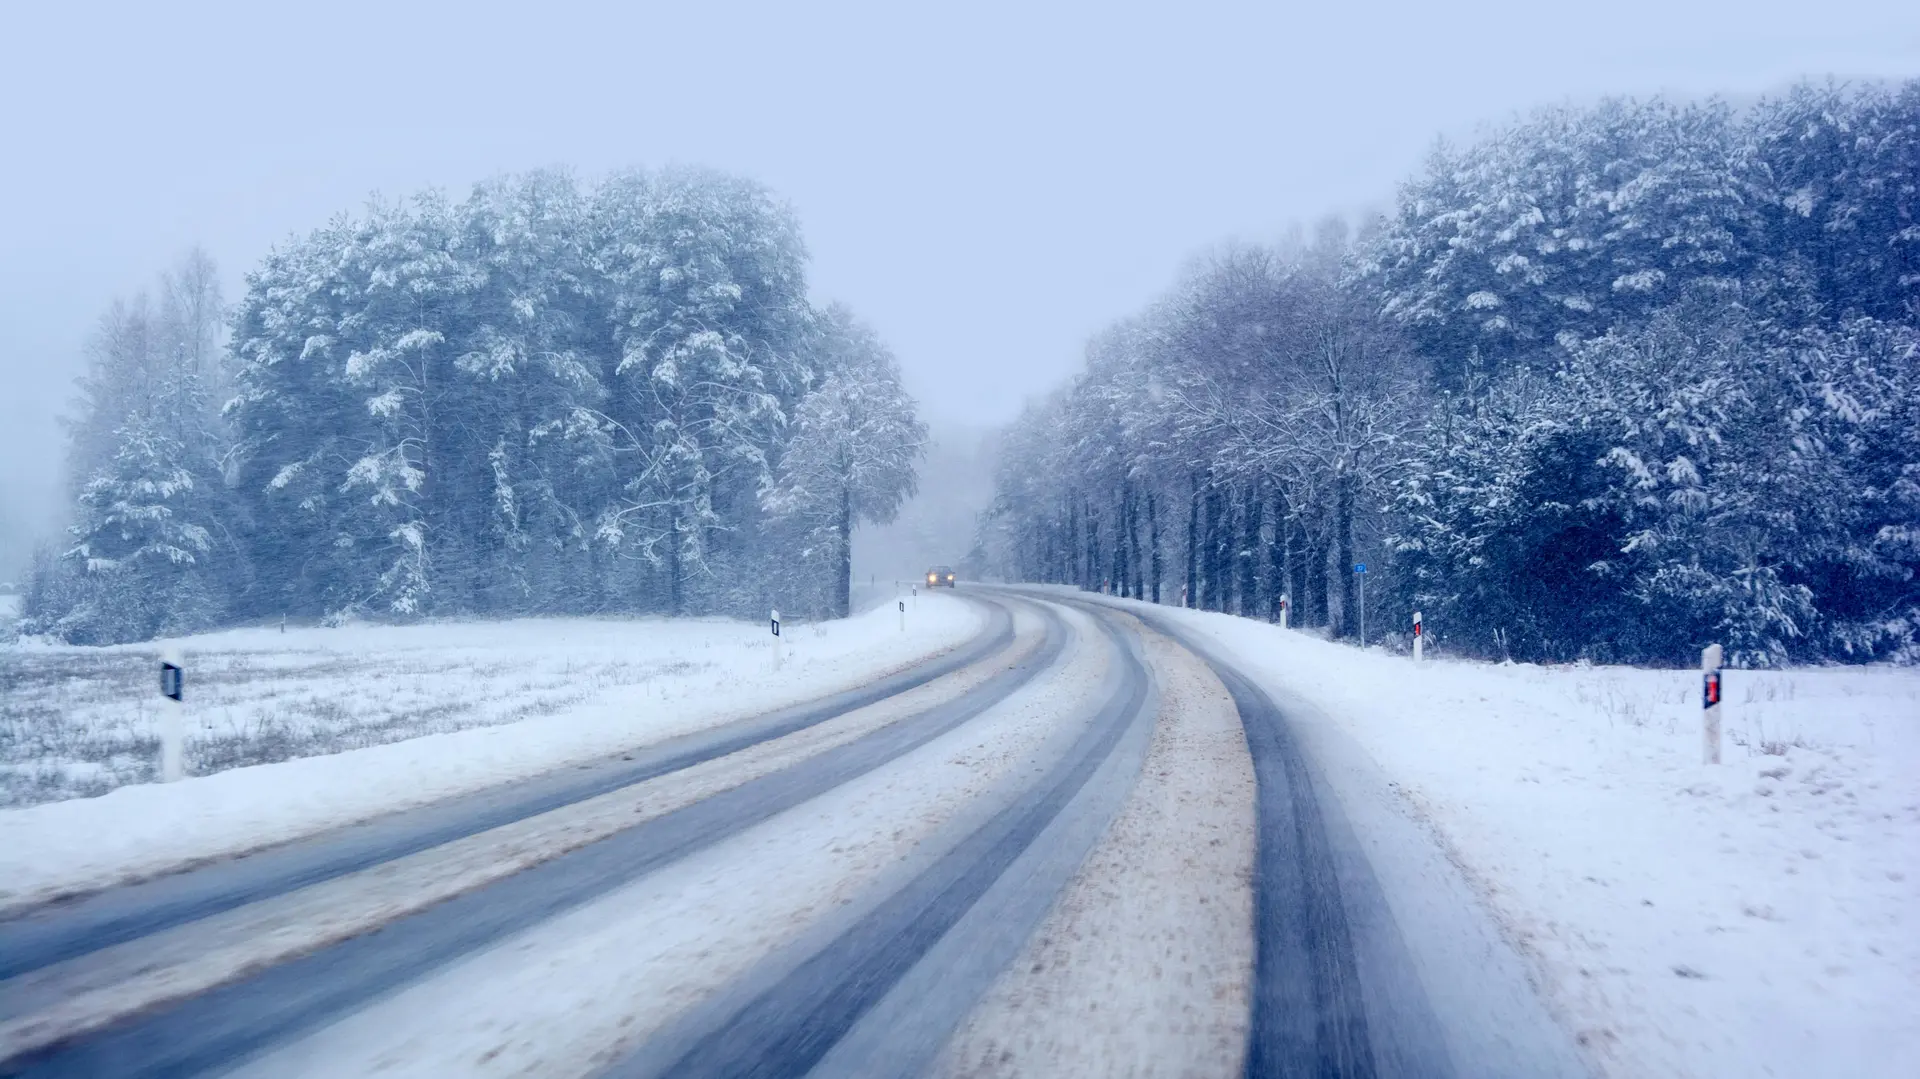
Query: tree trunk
[(1092, 581), (1297, 566), (1209, 548), (1202, 596), (1219, 519), (843, 583), (1153, 543), (1277, 556), (676, 592), (1252, 519), (1069, 543), (591, 598), (1221, 590), (1135, 575), (1203, 548), (1136, 558), (1073, 575), (1220, 584), (1192, 598), (1343, 542), (1317, 577), (1057, 551)]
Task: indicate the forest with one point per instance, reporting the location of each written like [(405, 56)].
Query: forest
[(1609, 383), (547, 398)]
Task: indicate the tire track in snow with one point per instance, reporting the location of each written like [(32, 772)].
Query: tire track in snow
[(575, 994), (72, 998), (244, 1017), (1310, 1013), (1144, 966), (791, 1025), (62, 931)]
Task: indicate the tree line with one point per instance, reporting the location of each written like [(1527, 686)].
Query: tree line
[(1609, 383), (545, 398)]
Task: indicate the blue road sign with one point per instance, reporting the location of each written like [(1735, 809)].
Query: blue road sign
[(1359, 567)]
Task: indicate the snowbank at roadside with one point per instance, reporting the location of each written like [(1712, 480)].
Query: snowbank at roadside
[(677, 676), (1761, 917)]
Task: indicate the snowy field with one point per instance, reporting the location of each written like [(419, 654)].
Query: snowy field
[(1761, 917), (290, 733), (83, 721)]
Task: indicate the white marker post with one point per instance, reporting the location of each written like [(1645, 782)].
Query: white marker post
[(1419, 636), (1710, 704), (775, 619), (1283, 611), (173, 676), (903, 615)]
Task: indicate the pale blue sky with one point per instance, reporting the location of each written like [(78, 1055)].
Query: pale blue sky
[(986, 182)]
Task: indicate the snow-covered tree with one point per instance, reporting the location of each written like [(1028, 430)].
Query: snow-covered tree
[(147, 461), (539, 398), (1660, 392), (1835, 178), (1565, 225), (1703, 477), (141, 544), (532, 479), (705, 275), (853, 441)]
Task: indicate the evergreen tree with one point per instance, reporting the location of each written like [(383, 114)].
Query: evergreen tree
[(1664, 396), (849, 458), (706, 283), (148, 453), (540, 398), (140, 545), (1564, 226)]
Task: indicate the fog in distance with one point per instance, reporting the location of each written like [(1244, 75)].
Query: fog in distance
[(987, 184)]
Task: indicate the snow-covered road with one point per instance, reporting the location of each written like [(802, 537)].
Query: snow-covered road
[(1078, 844)]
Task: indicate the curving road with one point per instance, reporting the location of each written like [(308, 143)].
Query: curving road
[(1080, 843)]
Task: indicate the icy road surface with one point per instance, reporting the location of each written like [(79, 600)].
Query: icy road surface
[(1078, 842)]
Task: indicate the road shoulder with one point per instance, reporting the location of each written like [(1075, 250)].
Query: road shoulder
[(1147, 955)]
